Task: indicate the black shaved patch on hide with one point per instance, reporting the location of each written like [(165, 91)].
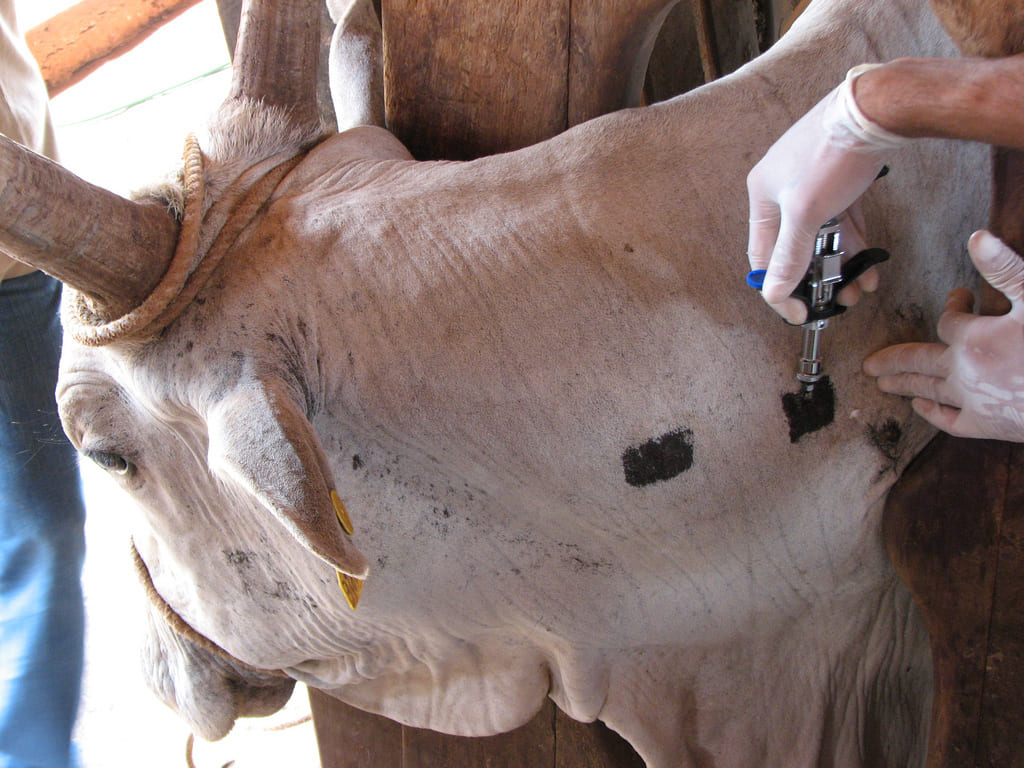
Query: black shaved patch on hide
[(809, 411), (659, 459)]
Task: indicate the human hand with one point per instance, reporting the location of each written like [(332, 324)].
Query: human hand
[(972, 384), (814, 172)]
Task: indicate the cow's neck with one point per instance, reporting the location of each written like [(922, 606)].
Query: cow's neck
[(788, 699)]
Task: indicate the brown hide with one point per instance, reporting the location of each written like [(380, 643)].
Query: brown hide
[(983, 27), (1006, 218), (954, 526)]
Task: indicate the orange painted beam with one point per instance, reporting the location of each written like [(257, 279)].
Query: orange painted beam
[(78, 40)]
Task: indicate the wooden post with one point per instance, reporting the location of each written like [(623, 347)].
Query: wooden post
[(463, 80), (467, 79), (954, 527)]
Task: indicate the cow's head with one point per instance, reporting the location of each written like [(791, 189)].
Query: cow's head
[(241, 440)]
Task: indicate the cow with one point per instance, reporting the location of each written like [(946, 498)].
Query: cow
[(446, 439)]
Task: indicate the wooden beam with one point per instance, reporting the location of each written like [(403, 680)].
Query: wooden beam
[(78, 40), (704, 23)]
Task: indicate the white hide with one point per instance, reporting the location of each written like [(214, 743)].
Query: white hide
[(219, 689), (477, 346)]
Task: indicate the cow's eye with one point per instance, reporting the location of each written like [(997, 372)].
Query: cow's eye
[(112, 462)]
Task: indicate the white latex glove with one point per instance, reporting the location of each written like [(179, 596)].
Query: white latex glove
[(814, 172), (972, 385)]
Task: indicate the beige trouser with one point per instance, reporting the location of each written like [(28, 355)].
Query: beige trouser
[(24, 106)]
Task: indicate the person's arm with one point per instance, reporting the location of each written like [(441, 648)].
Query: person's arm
[(824, 163), (815, 172), (974, 99)]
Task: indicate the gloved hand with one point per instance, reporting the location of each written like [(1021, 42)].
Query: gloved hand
[(972, 385), (814, 172)]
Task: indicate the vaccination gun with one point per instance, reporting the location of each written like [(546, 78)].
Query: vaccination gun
[(826, 276)]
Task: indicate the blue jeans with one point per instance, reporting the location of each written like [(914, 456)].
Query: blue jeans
[(42, 539)]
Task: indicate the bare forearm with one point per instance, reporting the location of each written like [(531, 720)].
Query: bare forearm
[(974, 99)]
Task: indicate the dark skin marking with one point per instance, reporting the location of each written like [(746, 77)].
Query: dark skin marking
[(886, 438), (659, 459), (809, 411), (240, 559)]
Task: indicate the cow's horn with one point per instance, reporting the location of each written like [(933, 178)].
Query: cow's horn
[(277, 56), (112, 250)]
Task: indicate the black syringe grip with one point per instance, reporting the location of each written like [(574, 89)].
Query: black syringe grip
[(852, 269)]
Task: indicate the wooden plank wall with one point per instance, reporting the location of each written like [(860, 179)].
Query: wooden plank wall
[(505, 75), (499, 81), (740, 29)]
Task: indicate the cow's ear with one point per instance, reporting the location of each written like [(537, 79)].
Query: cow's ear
[(261, 441)]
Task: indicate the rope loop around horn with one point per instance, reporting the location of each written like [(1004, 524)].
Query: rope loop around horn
[(84, 325), (198, 252)]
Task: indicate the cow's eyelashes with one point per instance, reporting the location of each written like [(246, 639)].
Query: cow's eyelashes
[(112, 462)]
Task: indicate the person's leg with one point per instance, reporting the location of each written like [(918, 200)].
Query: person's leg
[(42, 541)]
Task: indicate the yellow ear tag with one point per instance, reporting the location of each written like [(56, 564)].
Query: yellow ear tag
[(342, 513), (351, 587)]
